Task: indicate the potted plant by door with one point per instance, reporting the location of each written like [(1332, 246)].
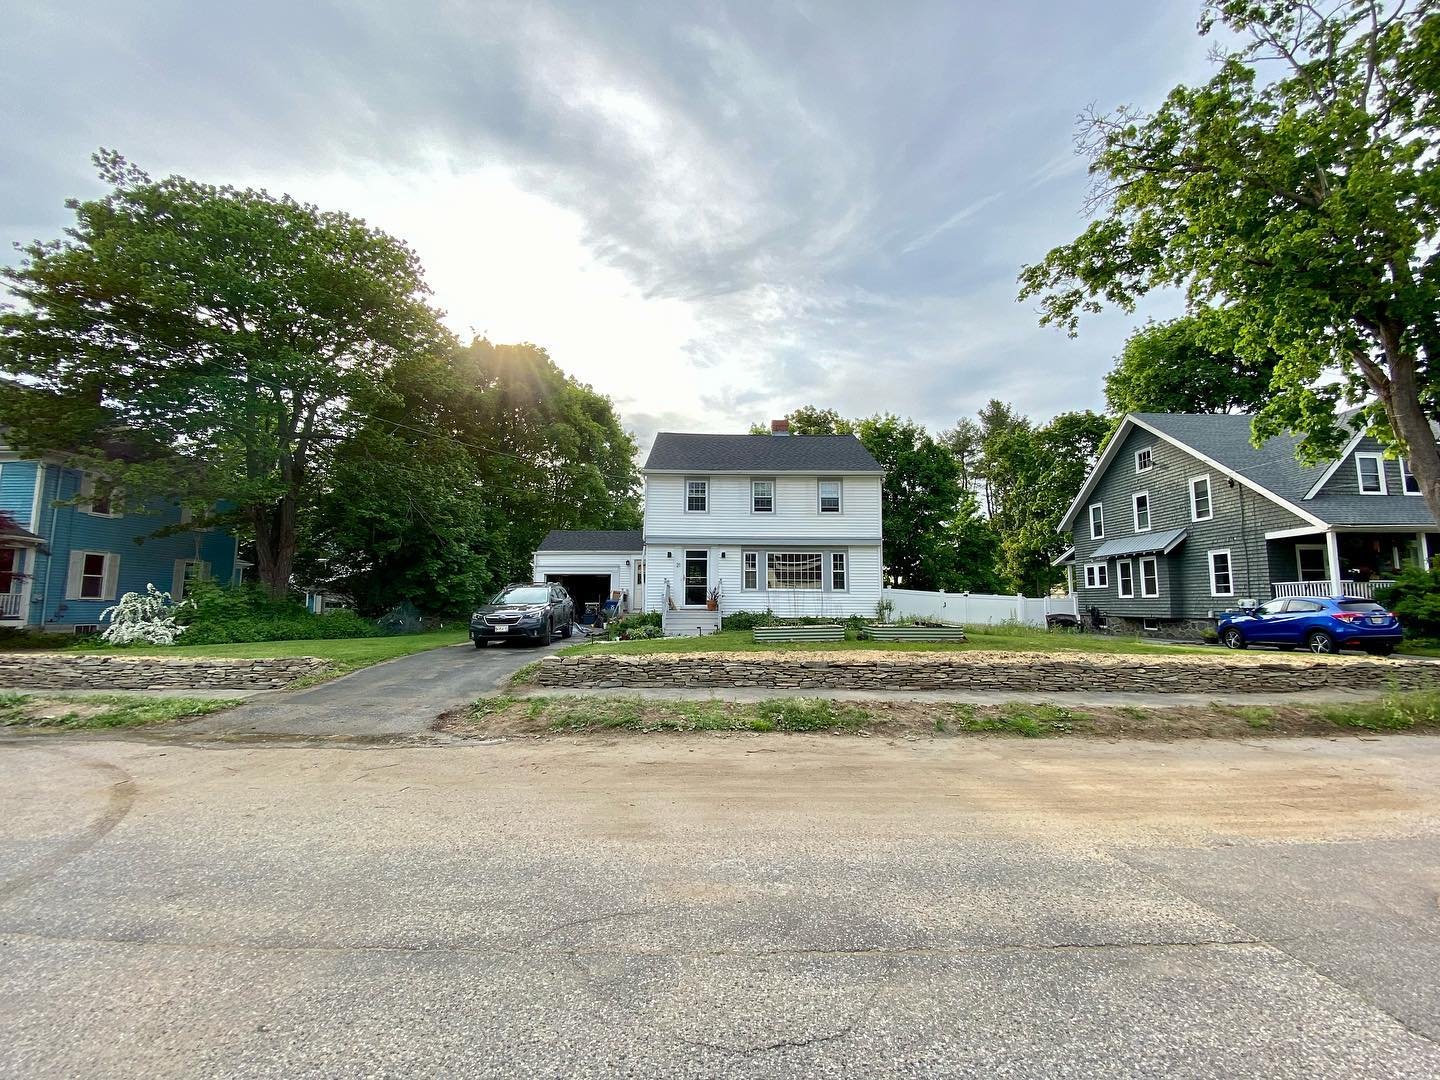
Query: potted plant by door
[(712, 602)]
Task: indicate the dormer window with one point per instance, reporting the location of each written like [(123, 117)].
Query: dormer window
[(697, 496), (1144, 460), (1408, 483), (1370, 472)]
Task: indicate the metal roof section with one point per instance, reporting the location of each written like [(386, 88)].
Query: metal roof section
[(1140, 544)]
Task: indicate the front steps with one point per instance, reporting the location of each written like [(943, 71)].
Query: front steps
[(688, 622)]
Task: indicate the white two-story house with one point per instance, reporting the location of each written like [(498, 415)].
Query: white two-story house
[(785, 523)]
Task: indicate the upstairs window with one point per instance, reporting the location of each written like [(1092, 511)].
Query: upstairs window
[(697, 496), (829, 496), (762, 496), (1200, 509), (99, 497), (1144, 460), (1408, 483), (1097, 521), (1142, 512), (1370, 471)]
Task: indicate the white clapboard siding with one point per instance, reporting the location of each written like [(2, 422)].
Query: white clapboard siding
[(665, 562), (796, 516)]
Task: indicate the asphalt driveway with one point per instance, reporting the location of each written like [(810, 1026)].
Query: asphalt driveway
[(398, 697), (717, 906)]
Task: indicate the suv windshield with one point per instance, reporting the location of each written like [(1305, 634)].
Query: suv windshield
[(1360, 605), (532, 595)]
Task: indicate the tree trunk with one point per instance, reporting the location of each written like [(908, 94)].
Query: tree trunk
[(275, 545), (1400, 396)]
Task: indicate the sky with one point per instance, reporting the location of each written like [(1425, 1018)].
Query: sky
[(711, 212)]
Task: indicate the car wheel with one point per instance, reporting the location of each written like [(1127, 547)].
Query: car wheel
[(549, 633), (479, 644), (567, 629), (1233, 639), (1321, 642)]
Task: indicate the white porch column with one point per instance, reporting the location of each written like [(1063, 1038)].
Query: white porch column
[(1424, 541), (1332, 558)]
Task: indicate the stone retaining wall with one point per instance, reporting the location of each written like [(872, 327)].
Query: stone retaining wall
[(1225, 673), (108, 671)]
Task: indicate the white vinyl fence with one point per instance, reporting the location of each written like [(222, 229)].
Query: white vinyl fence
[(977, 607)]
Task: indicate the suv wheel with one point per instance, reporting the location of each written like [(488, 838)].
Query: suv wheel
[(1233, 639), (1321, 642), (568, 628)]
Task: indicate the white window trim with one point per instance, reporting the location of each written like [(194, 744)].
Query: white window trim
[(819, 585), (1135, 511), (745, 556), (1100, 506), (1153, 561), (87, 487), (1230, 565), (1209, 498), (1121, 589), (773, 491), (1379, 460), (1404, 472), (685, 494), (75, 577), (839, 491), (1097, 575), (843, 571), (1144, 468)]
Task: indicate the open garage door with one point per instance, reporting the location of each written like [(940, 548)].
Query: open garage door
[(583, 589)]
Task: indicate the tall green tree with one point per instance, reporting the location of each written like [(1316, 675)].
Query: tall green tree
[(459, 471), (230, 330), (1177, 367), (1297, 192), (1031, 476)]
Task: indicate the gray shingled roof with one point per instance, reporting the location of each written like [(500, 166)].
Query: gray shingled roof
[(626, 540), (1225, 438), (676, 452)]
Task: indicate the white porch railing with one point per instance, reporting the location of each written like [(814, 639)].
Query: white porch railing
[(10, 605), (1365, 589)]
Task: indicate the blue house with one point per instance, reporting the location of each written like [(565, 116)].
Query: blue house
[(68, 562)]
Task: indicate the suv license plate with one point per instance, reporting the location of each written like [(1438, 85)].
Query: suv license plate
[(501, 629)]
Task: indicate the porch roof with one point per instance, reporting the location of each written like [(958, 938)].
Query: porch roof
[(15, 536), (1141, 544)]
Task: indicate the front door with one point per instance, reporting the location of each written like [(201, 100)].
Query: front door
[(697, 577)]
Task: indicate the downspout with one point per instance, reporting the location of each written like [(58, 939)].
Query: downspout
[(50, 551)]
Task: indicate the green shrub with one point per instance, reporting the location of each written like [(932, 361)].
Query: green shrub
[(1415, 597), (639, 625), (749, 620), (223, 614)]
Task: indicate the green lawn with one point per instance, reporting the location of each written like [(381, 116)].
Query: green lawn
[(346, 654), (1004, 638), (92, 712)]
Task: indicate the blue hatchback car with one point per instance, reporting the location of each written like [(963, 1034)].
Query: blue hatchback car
[(1320, 624)]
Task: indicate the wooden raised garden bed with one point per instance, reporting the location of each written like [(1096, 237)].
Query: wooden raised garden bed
[(914, 633)]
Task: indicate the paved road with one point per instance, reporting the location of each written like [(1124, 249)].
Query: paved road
[(399, 697), (700, 906)]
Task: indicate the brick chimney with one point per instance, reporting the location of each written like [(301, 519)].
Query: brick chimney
[(779, 427)]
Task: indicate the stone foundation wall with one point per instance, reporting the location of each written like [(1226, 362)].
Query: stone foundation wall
[(1227, 673), (107, 671)]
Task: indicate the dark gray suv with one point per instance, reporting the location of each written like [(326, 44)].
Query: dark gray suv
[(535, 612)]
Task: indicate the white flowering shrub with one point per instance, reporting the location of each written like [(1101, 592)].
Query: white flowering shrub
[(146, 618)]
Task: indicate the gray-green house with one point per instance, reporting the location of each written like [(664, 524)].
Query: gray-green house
[(1182, 519)]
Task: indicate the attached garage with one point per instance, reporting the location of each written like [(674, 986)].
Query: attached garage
[(594, 565)]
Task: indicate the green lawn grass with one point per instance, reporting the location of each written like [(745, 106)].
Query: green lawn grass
[(1003, 638), (345, 654), (91, 712)]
